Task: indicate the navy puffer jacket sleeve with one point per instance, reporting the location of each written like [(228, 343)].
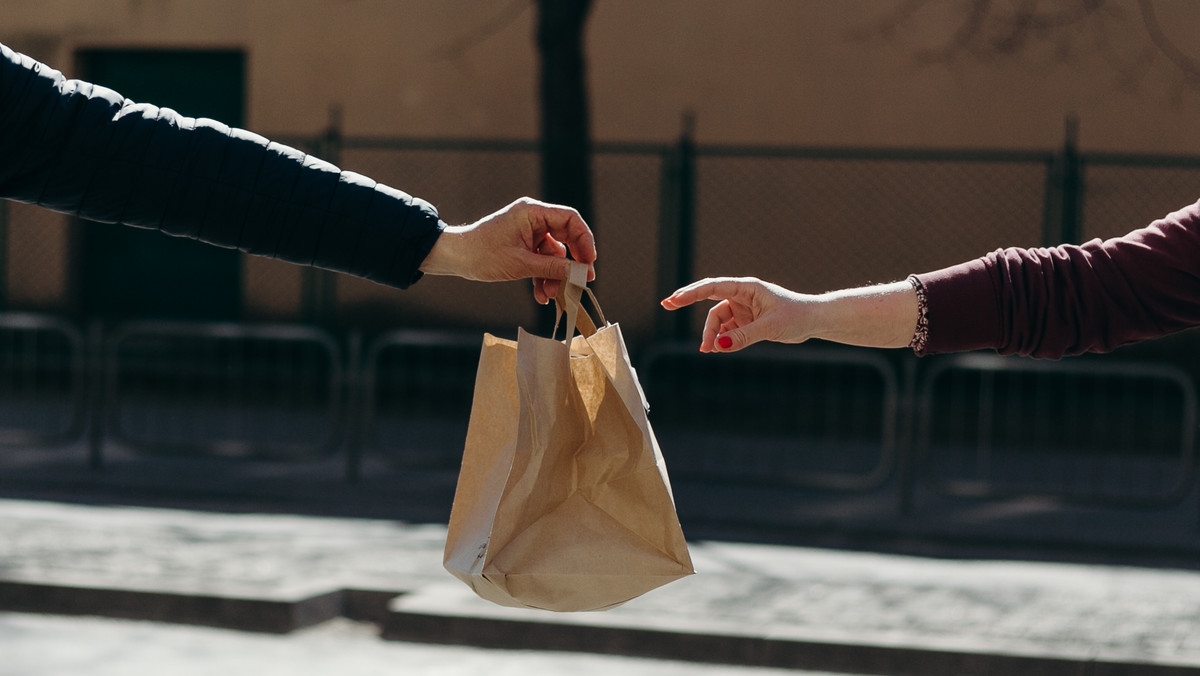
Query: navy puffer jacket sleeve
[(83, 149)]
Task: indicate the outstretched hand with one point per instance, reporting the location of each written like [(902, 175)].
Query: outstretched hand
[(526, 239), (750, 310)]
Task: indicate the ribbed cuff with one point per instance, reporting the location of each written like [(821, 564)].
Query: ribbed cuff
[(921, 335), (959, 308)]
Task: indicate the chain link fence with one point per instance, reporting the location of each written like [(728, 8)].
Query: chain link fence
[(821, 223), (816, 223), (809, 219), (1124, 192)]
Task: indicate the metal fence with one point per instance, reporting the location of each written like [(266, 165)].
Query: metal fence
[(776, 417), (794, 418), (416, 396), (1115, 433), (1120, 192), (824, 219), (224, 390), (806, 417), (41, 380), (812, 219)]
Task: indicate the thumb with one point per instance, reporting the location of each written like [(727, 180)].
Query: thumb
[(739, 338), (542, 266)]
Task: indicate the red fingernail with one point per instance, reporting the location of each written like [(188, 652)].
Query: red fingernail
[(725, 342)]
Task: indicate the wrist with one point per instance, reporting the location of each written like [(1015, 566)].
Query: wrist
[(447, 255), (875, 316), (826, 314)]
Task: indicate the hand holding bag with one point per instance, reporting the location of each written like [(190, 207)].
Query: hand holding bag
[(563, 501)]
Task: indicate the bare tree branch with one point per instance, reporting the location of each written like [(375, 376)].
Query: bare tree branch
[(1186, 65), (1050, 20), (971, 27), (887, 26), (481, 32), (989, 28)]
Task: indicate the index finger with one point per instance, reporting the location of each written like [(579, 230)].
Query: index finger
[(567, 226), (710, 288)]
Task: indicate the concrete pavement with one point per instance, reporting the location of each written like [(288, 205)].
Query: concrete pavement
[(749, 605), (45, 645)]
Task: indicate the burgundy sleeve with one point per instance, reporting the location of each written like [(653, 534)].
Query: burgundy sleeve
[(1069, 299)]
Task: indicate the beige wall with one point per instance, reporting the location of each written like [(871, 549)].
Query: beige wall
[(755, 71), (392, 66), (772, 72), (36, 271), (801, 72)]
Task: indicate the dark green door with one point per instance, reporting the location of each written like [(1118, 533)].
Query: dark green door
[(130, 272)]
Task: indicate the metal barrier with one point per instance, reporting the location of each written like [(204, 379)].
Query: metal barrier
[(3, 253), (1096, 432), (41, 380), (1103, 432), (773, 416), (224, 390), (417, 391)]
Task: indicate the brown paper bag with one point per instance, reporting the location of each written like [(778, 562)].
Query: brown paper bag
[(563, 501)]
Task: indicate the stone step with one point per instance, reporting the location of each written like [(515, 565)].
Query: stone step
[(452, 614)]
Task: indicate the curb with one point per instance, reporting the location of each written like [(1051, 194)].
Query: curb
[(271, 616), (406, 616), (492, 630)]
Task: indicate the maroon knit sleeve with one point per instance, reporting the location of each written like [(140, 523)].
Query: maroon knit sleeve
[(1069, 299)]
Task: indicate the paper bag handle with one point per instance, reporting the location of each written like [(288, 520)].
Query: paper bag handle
[(567, 301)]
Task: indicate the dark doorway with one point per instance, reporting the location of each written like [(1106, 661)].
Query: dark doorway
[(130, 272)]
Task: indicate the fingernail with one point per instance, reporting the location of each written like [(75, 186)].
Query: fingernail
[(725, 342)]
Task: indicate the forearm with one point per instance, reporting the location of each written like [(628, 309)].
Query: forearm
[(873, 316)]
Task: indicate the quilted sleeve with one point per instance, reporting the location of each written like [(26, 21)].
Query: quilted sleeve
[(83, 149)]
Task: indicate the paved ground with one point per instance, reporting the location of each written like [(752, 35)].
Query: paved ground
[(749, 604), (42, 645)]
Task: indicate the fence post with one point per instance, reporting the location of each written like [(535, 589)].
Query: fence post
[(1064, 185), (906, 437), (96, 393), (3, 254), (353, 417), (319, 287), (676, 229)]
